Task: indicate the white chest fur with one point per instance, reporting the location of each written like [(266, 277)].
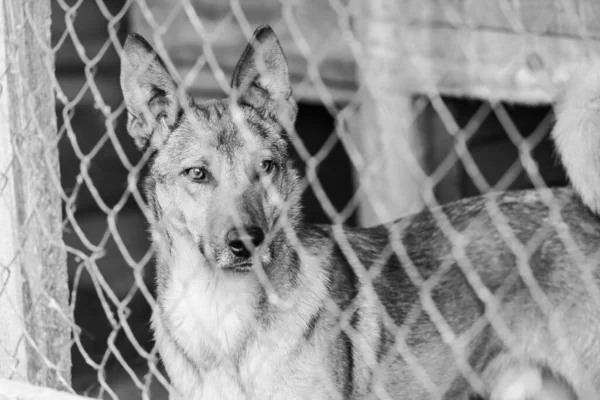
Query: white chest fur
[(210, 341), (208, 312)]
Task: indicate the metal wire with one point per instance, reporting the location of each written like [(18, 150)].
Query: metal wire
[(110, 259)]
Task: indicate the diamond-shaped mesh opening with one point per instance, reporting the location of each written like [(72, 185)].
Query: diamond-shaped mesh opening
[(249, 274)]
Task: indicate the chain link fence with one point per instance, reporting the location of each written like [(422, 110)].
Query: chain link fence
[(403, 105)]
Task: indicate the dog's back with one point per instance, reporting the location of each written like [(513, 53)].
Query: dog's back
[(495, 296), (503, 288)]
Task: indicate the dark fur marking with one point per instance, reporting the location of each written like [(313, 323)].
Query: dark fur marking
[(201, 246), (452, 293), (286, 256), (475, 396), (178, 120), (575, 208), (217, 113), (203, 112), (264, 314), (258, 127), (284, 279), (228, 144), (376, 253), (312, 324), (385, 341), (150, 196), (355, 319), (348, 388), (343, 281), (294, 267), (162, 275)]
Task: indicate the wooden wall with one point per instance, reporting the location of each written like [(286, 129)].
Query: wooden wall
[(511, 50), (217, 32)]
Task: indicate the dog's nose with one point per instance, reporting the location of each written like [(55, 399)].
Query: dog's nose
[(238, 240)]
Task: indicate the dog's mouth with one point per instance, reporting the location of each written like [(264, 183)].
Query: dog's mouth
[(238, 267)]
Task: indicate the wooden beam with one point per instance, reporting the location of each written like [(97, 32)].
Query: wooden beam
[(483, 64), (514, 51), (35, 331), (210, 38), (390, 173), (569, 18)]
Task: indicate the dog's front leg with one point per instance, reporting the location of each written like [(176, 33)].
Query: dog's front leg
[(183, 375), (215, 385), (188, 381), (218, 385)]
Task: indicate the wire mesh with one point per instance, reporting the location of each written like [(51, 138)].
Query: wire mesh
[(386, 79)]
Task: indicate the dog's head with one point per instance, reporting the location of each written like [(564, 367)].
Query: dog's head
[(219, 171)]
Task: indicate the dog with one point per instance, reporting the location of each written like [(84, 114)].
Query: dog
[(491, 297)]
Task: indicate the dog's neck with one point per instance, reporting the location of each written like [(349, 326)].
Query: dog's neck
[(228, 312)]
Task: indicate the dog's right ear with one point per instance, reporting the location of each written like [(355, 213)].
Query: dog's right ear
[(151, 95)]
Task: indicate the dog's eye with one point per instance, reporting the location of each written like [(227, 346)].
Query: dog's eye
[(196, 174), (266, 166)]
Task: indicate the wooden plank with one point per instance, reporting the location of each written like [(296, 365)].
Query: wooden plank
[(390, 173), (487, 50), (205, 87), (517, 51), (490, 65), (17, 390), (578, 18), (392, 149), (35, 331), (309, 31)]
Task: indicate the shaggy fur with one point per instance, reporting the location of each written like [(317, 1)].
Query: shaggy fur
[(491, 297)]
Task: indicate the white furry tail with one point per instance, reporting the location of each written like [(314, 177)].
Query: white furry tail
[(530, 383), (577, 133)]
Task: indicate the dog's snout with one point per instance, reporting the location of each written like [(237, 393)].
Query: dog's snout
[(241, 242)]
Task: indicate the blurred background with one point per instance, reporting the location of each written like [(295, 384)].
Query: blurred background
[(485, 109)]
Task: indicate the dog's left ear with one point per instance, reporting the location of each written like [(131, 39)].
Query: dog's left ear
[(261, 78)]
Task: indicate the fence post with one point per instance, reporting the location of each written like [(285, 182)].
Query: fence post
[(34, 327), (386, 133)]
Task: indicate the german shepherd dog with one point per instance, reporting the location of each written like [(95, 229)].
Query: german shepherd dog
[(492, 297)]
